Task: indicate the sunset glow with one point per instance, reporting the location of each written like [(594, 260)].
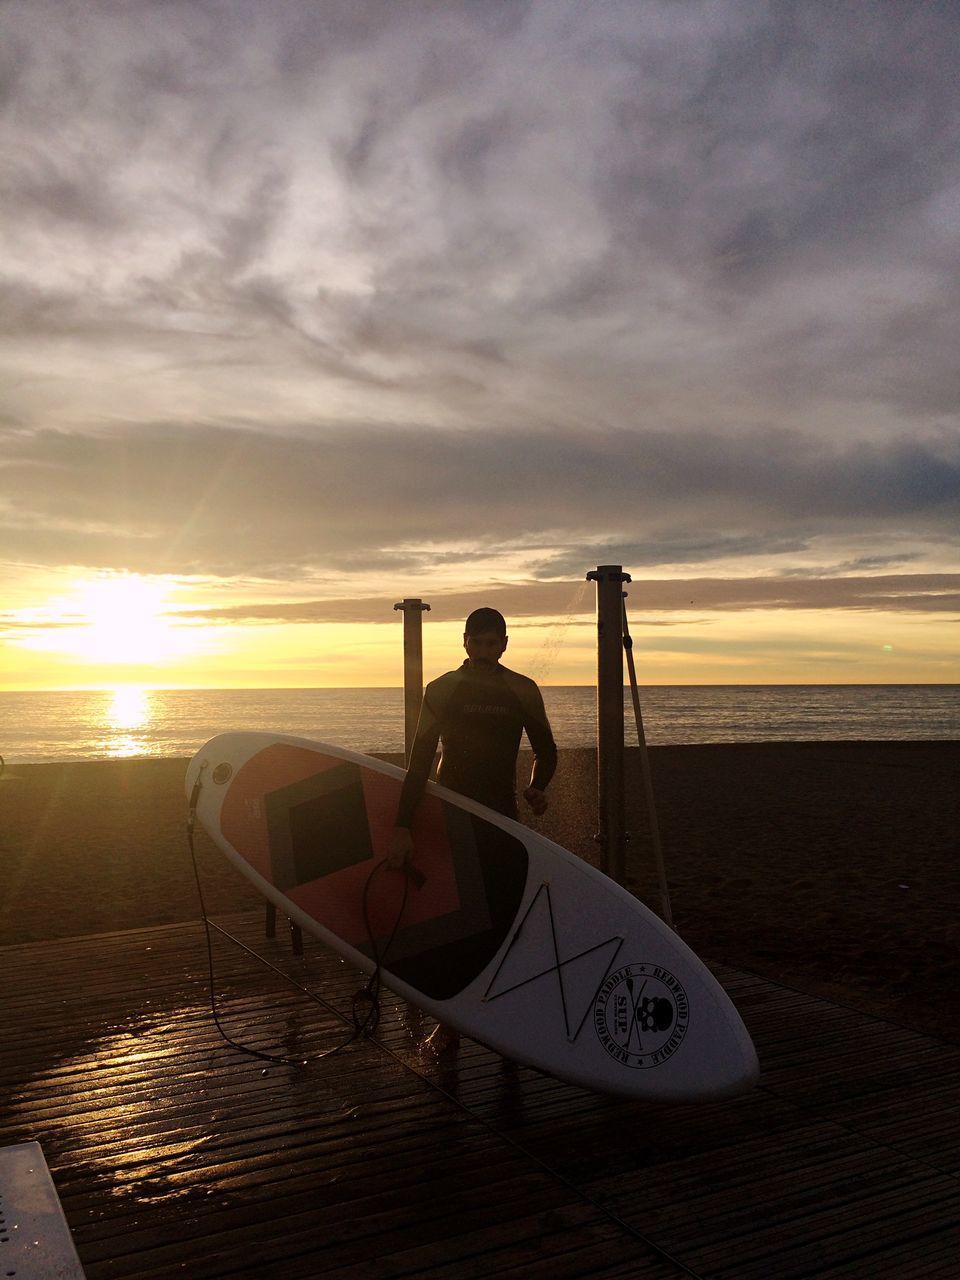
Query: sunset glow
[(106, 627)]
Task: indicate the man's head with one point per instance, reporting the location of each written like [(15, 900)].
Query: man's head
[(485, 637)]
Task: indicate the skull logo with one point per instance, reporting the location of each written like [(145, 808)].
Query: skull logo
[(654, 1014)]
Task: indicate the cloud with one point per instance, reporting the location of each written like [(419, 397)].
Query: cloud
[(214, 500), (617, 202), (910, 593)]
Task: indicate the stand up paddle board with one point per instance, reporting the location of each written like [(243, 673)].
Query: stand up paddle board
[(510, 938)]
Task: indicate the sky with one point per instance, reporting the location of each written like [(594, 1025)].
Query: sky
[(311, 306)]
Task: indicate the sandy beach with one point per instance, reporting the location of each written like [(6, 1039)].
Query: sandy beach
[(830, 867)]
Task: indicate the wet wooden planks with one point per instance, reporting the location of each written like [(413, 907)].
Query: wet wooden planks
[(174, 1154)]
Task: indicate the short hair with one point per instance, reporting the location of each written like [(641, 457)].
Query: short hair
[(482, 620)]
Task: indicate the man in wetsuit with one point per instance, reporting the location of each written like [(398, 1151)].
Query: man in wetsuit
[(478, 713)]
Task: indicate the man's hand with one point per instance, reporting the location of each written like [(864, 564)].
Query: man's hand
[(537, 800), (400, 848)]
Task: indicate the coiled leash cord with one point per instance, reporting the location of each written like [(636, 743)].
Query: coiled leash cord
[(366, 998)]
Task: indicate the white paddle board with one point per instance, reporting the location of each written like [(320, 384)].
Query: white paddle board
[(510, 938)]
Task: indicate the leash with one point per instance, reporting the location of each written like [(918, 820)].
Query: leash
[(366, 999)]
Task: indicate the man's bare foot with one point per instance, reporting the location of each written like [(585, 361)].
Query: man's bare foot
[(442, 1040)]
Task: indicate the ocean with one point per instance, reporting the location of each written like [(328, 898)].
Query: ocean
[(134, 722)]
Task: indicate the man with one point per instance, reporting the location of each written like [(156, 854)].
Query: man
[(478, 713)]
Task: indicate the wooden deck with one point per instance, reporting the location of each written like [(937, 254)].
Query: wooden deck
[(175, 1155)]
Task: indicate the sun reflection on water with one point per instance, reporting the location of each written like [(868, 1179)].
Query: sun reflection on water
[(126, 716), (129, 707)]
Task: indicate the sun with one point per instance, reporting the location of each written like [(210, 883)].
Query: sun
[(122, 620), (115, 628)]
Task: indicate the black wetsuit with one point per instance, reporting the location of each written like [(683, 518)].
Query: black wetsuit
[(478, 715)]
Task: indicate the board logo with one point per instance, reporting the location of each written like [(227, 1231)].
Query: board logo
[(641, 1015)]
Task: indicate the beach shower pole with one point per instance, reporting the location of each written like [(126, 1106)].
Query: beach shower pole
[(611, 835), (412, 610)]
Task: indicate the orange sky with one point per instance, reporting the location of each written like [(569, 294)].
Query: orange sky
[(129, 629)]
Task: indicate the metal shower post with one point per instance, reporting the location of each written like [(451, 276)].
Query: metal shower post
[(412, 610)]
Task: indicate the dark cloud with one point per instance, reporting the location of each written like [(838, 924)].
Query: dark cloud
[(911, 593), (780, 128), (672, 546), (225, 501)]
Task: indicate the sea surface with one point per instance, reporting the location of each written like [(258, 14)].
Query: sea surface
[(136, 722)]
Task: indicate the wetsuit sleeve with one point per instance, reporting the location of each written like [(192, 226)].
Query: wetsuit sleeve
[(538, 729), (422, 755)]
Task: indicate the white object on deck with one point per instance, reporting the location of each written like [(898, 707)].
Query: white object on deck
[(35, 1241)]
